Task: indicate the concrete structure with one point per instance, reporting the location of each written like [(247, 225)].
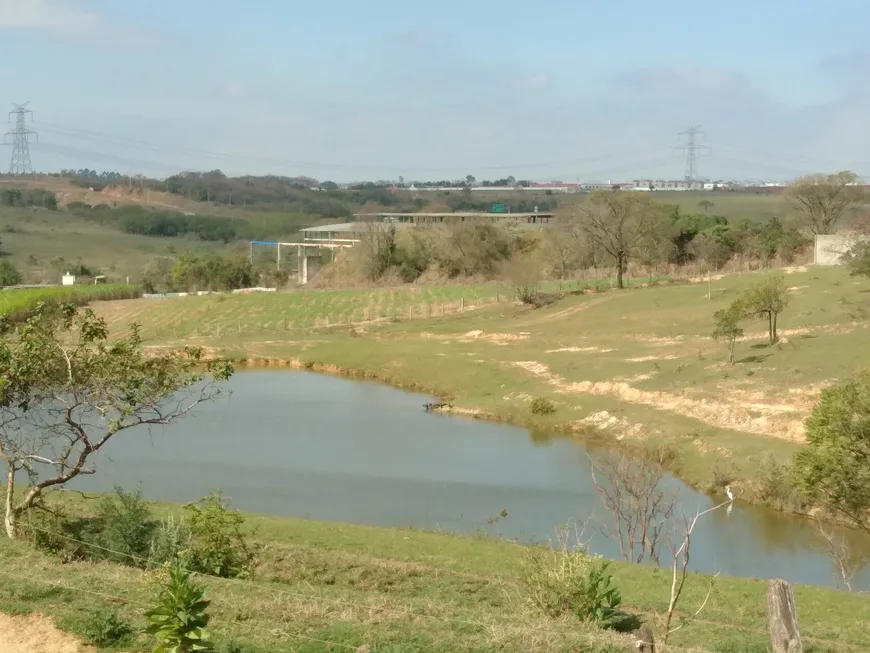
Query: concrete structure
[(68, 279), (829, 249), (419, 219), (308, 253)]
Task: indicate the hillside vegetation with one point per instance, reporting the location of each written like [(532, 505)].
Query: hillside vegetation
[(634, 365)]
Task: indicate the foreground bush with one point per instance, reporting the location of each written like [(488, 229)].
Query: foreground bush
[(570, 582), (207, 540), (218, 547)]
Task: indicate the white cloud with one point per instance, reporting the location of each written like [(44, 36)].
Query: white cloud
[(52, 15), (67, 18)]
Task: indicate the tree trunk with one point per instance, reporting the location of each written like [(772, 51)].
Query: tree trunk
[(620, 264), (731, 353), (774, 329), (770, 327), (10, 517), (782, 618)]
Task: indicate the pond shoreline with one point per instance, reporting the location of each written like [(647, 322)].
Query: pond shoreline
[(589, 434)]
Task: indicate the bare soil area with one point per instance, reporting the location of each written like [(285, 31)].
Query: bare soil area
[(35, 633)]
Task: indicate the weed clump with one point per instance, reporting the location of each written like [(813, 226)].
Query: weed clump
[(101, 628), (570, 582), (542, 406)]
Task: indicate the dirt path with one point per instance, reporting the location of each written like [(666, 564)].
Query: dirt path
[(35, 633), (568, 311), (770, 420)]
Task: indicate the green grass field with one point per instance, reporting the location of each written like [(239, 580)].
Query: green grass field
[(42, 244), (328, 587), (306, 310), (17, 303), (637, 365)]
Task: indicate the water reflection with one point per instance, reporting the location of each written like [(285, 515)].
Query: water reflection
[(305, 445)]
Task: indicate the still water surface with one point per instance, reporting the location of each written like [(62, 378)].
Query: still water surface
[(305, 445)]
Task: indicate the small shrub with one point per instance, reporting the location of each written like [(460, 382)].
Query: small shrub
[(127, 528), (171, 540), (218, 546), (542, 406), (723, 475), (102, 628), (777, 488), (570, 582), (9, 274)]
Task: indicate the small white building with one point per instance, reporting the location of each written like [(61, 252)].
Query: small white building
[(68, 279)]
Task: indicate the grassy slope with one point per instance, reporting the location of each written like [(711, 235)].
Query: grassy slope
[(33, 238), (636, 363), (402, 591)]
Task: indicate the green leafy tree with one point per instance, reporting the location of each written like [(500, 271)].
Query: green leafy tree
[(178, 622), (833, 468), (728, 329), (211, 272), (9, 274), (767, 300), (67, 389), (820, 201)]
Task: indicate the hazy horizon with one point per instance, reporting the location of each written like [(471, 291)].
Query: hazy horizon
[(347, 92)]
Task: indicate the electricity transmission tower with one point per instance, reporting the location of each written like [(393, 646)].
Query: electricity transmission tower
[(691, 149), (20, 164)]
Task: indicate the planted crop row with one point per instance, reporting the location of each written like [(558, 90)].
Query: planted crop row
[(17, 304)]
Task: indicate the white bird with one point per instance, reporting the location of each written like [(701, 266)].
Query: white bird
[(729, 493)]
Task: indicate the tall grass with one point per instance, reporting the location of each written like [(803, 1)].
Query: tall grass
[(17, 304)]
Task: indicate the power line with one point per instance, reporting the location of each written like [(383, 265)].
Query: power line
[(691, 150), (20, 163), (96, 136)]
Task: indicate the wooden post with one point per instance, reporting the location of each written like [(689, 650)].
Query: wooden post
[(644, 640), (782, 618), (462, 304)]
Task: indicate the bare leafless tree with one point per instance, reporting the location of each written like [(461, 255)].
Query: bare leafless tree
[(378, 246), (680, 540), (846, 560), (639, 508), (524, 275), (820, 201), (621, 224)]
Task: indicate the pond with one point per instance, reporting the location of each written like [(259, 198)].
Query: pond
[(300, 444)]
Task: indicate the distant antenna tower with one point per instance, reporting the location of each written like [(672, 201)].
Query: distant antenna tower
[(20, 164), (691, 149)]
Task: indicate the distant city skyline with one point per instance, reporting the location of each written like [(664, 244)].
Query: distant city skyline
[(348, 91)]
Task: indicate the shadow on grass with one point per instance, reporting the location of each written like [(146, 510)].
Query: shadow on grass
[(625, 622), (759, 358)]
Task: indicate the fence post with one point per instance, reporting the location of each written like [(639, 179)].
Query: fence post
[(782, 618), (462, 304)]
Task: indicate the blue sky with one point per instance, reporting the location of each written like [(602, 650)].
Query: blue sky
[(348, 90)]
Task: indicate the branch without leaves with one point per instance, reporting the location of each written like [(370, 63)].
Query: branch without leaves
[(681, 549), (629, 486)]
